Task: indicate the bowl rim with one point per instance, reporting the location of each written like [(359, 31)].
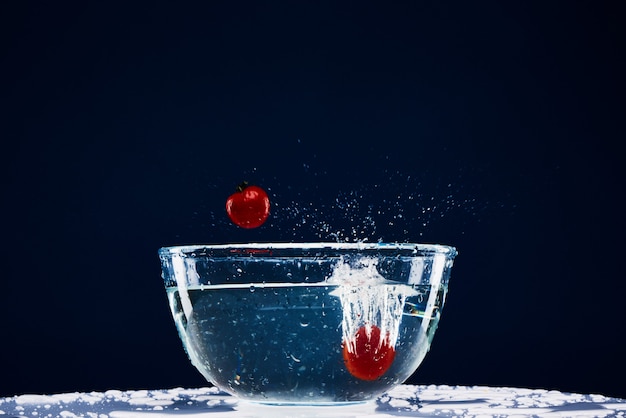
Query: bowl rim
[(192, 250)]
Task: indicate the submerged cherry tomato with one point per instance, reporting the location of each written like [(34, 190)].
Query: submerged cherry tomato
[(248, 207), (371, 358)]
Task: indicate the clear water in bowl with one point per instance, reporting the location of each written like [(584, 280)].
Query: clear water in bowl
[(310, 324), (284, 343)]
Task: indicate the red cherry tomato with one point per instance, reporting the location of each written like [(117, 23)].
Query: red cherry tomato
[(248, 207), (371, 358)]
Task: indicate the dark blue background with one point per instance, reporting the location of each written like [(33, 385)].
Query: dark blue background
[(495, 127)]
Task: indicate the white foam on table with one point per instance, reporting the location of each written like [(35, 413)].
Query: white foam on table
[(404, 400)]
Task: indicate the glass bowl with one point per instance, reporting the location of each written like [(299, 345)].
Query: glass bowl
[(306, 323)]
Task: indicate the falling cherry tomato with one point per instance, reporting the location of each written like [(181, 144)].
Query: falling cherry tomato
[(366, 357), (248, 207)]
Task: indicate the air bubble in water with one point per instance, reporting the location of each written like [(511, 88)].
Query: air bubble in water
[(368, 299)]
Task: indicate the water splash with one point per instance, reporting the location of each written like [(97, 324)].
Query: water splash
[(387, 205), (368, 299)]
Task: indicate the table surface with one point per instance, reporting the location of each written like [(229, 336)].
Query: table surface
[(403, 401)]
